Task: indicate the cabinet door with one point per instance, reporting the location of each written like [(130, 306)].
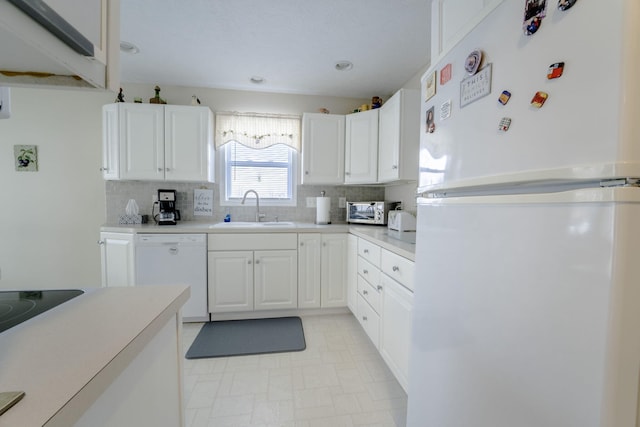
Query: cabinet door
[(110, 142), (141, 141), (322, 148), (395, 330), (399, 137), (188, 143), (361, 152), (276, 279), (117, 254), (309, 257), (352, 272), (230, 281), (333, 274), (389, 139)]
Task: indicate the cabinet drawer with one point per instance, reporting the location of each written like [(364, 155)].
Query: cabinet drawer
[(369, 251), (369, 293), (369, 320), (398, 268), (368, 271), (252, 241)]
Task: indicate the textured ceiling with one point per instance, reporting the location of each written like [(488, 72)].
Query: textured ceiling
[(293, 44)]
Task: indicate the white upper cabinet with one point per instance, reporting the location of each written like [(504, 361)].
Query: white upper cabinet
[(451, 20), (399, 137), (323, 148), (361, 152), (157, 142)]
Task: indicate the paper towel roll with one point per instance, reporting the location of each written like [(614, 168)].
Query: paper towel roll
[(322, 210)]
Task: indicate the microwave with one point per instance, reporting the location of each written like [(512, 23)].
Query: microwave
[(374, 213)]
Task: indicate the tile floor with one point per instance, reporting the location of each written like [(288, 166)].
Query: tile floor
[(340, 380)]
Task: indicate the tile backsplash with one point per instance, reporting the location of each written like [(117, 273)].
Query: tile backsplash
[(118, 193)]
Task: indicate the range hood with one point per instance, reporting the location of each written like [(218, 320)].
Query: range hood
[(41, 48)]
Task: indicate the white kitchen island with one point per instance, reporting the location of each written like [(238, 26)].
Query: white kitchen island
[(109, 357)]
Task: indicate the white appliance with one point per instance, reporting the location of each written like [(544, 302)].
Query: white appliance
[(401, 221), (168, 259), (527, 294)]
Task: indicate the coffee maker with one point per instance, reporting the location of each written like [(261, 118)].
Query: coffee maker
[(168, 214)]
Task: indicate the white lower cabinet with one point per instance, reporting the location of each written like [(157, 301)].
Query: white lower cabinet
[(230, 281), (396, 306), (252, 272), (384, 304), (352, 273), (117, 252), (322, 270), (275, 279)]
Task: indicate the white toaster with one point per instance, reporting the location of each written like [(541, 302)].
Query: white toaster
[(401, 221)]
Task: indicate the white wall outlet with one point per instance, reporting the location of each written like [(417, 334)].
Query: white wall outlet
[(311, 202), (342, 202)]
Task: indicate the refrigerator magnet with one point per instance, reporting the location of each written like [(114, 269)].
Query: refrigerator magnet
[(566, 4), (445, 110), (430, 86), (445, 74), (505, 122), (504, 97), (430, 124), (539, 99), (472, 63), (555, 70), (534, 13)]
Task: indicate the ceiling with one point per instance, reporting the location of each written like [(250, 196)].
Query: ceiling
[(293, 45)]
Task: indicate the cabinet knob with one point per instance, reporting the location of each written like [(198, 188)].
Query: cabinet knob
[(366, 251), (101, 242), (104, 169), (324, 243), (379, 288), (395, 268), (306, 172), (365, 292), (301, 243), (394, 167), (257, 261), (249, 262), (365, 271), (159, 169), (364, 318), (167, 169), (347, 173)]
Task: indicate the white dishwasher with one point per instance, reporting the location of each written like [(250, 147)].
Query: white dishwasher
[(169, 259)]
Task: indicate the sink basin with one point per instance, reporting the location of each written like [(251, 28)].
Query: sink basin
[(246, 224)]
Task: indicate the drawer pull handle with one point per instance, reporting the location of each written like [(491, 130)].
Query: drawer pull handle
[(365, 271), (249, 262), (257, 261), (366, 251), (396, 268), (365, 292), (379, 287), (364, 318)]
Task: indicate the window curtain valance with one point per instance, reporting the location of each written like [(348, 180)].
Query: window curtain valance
[(257, 130)]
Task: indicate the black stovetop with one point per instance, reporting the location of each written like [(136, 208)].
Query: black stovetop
[(18, 306)]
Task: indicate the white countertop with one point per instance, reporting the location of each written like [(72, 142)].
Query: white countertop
[(58, 358), (394, 241)]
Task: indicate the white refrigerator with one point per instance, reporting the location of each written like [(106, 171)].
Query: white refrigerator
[(527, 294)]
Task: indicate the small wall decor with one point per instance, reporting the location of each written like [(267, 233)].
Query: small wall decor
[(430, 86), (475, 87), (26, 158), (202, 202)]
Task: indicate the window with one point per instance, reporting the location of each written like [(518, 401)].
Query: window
[(258, 152)]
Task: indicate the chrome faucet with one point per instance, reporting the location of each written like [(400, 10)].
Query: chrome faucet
[(258, 214)]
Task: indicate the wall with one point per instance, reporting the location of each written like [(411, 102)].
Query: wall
[(50, 219)]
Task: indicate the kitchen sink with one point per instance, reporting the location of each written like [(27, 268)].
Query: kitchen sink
[(246, 224)]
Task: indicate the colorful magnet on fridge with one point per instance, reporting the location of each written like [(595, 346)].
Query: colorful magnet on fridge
[(504, 97), (534, 13), (566, 4), (472, 63), (430, 124), (505, 122), (539, 99), (555, 70)]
